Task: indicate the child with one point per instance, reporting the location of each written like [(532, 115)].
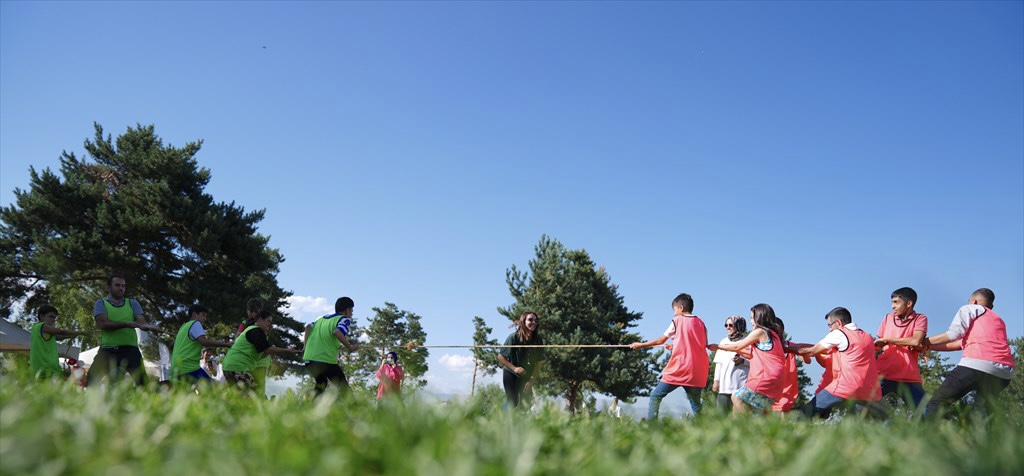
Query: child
[(856, 373), (188, 345), (323, 338), (249, 347), (688, 365), (42, 355), (767, 364), (730, 368), (986, 365), (899, 336), (390, 374)]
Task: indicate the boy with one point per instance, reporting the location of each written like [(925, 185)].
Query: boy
[(246, 351), (856, 373), (900, 336), (322, 340), (188, 346), (42, 355), (986, 365), (688, 365)]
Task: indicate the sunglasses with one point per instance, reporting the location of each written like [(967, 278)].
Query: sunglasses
[(729, 325)]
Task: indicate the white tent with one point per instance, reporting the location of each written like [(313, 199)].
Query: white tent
[(160, 370), (13, 338)]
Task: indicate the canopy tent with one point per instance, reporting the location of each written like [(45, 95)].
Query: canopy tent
[(160, 370), (13, 338)]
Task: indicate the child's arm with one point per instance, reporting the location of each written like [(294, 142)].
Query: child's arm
[(651, 343), (751, 338), (945, 346), (913, 341), (60, 333), (810, 350)]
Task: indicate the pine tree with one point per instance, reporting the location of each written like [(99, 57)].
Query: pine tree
[(576, 303), (391, 329), (136, 207), (485, 360)]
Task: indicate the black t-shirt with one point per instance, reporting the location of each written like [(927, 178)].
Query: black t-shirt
[(258, 339)]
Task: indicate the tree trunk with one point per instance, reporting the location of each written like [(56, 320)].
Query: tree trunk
[(572, 394), (472, 388)]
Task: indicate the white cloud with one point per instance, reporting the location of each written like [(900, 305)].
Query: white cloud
[(457, 363), (307, 308)]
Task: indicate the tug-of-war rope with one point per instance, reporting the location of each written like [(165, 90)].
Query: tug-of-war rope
[(413, 345)]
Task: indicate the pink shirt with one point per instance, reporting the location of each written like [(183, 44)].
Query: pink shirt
[(986, 339), (791, 390), (768, 368), (856, 373), (394, 372), (827, 375), (897, 362), (688, 366)]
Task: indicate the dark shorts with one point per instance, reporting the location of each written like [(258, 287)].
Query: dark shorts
[(324, 374), (114, 362), (195, 376)]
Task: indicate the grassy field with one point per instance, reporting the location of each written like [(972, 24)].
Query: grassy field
[(46, 428)]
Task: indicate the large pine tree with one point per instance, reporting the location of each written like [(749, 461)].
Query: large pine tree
[(137, 207), (576, 303)]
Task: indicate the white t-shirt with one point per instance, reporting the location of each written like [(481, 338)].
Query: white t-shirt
[(729, 375), (837, 339)]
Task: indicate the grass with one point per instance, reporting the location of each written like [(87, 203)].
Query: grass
[(47, 428)]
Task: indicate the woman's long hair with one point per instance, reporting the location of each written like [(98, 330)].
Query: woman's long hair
[(739, 327), (764, 317), (524, 334)]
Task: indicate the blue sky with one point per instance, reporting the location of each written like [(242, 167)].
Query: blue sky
[(807, 155)]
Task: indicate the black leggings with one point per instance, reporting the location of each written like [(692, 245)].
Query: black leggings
[(514, 385), (963, 380)]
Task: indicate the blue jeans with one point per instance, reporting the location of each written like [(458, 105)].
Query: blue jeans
[(822, 404), (911, 392), (663, 389)]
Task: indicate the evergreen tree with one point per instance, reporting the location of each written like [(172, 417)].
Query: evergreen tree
[(1015, 392), (485, 360), (136, 207), (934, 368), (577, 304), (391, 329)]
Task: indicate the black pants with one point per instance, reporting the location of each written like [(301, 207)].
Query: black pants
[(514, 385), (324, 374), (963, 380), (724, 402), (113, 362)]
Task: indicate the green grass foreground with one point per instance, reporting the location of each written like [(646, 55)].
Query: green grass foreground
[(47, 428)]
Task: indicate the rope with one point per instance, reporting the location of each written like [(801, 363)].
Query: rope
[(412, 345)]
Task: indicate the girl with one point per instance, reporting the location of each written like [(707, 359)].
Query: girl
[(767, 365)]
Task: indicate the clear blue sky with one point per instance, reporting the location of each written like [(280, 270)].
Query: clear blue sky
[(807, 155)]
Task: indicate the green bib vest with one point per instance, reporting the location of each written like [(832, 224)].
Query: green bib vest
[(42, 355), (187, 352), (323, 345), (242, 355), (119, 337)]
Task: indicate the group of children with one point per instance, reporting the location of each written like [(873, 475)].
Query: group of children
[(244, 366), (753, 371), (757, 370)]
